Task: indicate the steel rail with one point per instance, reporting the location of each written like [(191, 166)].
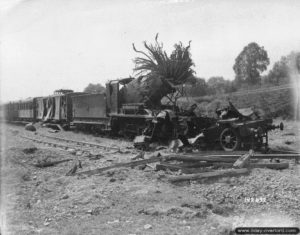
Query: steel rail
[(65, 147), (80, 142)]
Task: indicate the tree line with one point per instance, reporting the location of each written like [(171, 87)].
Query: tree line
[(249, 66)]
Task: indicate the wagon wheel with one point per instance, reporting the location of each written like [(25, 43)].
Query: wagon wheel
[(229, 139)]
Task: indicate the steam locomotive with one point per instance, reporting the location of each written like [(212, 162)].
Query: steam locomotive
[(108, 113), (105, 112)]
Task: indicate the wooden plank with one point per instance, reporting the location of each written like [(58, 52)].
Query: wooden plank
[(60, 127), (120, 165), (222, 165), (227, 157), (177, 167), (213, 174), (165, 166), (281, 156), (192, 158), (277, 166), (196, 164), (243, 160)]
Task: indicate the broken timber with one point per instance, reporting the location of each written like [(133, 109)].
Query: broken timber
[(244, 160), (193, 158), (177, 167), (275, 166), (119, 165), (213, 174), (227, 158)]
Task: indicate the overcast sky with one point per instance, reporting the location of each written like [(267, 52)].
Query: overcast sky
[(53, 44)]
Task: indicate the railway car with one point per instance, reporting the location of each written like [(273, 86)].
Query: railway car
[(11, 111), (26, 110), (23, 110), (56, 108)]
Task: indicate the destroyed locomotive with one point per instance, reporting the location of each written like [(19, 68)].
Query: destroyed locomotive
[(132, 107), (111, 113)]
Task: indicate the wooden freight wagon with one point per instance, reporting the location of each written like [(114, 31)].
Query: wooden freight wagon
[(56, 108), (26, 110)]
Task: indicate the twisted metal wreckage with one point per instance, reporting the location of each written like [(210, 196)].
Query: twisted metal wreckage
[(233, 129)]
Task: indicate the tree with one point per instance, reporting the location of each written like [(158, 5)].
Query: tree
[(94, 88), (192, 80), (279, 73), (250, 63), (216, 85), (284, 70), (158, 73), (196, 87), (219, 85)]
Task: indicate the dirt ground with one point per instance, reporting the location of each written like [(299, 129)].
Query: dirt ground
[(136, 201)]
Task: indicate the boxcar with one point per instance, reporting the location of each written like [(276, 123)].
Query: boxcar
[(56, 108), (11, 111), (26, 110)]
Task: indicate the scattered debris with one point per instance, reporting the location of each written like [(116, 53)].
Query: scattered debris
[(30, 127), (53, 131), (60, 127), (288, 142), (118, 165), (174, 145), (243, 161), (140, 155), (158, 148), (47, 221), (30, 150), (92, 156), (177, 167), (26, 176), (175, 211), (147, 226), (49, 163), (113, 222), (213, 174), (276, 166), (66, 196), (72, 151), (73, 170), (141, 142), (208, 158), (95, 211)]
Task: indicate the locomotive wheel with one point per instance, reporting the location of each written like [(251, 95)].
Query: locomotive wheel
[(229, 139)]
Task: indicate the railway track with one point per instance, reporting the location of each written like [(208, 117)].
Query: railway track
[(83, 143), (69, 144)]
